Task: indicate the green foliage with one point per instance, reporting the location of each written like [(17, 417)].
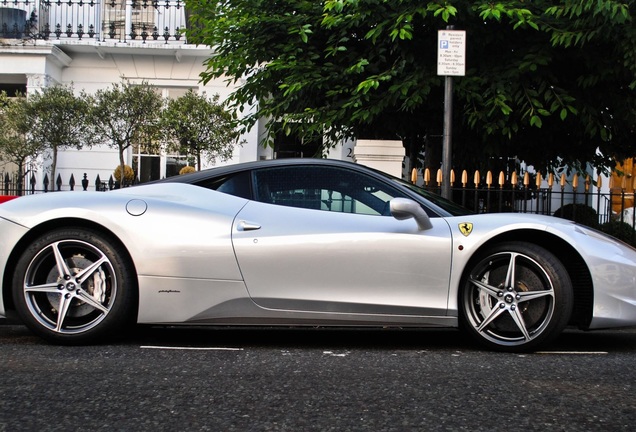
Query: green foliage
[(198, 126), (16, 144), (59, 120), (120, 116), (127, 115), (549, 82)]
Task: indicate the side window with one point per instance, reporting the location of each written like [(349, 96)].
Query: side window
[(324, 188), (234, 184)]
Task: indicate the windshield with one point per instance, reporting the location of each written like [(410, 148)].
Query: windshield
[(449, 206)]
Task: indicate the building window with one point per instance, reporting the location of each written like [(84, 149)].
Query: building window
[(149, 168), (13, 90)]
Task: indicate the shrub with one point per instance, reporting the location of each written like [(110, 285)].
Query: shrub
[(187, 170), (621, 231), (580, 213), (129, 174)]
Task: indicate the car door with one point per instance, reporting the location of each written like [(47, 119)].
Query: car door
[(321, 239)]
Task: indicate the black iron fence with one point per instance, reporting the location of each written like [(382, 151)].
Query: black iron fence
[(98, 20), (611, 210), (13, 184), (593, 208)]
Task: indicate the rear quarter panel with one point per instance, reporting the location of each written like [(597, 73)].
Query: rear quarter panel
[(176, 231)]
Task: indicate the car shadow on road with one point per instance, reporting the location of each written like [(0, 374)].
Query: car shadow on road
[(305, 337), (365, 338), (610, 341), (614, 341)]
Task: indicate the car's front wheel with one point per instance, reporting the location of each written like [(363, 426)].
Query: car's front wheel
[(74, 286), (515, 297)]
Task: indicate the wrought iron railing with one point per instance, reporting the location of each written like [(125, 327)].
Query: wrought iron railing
[(13, 184), (114, 21)]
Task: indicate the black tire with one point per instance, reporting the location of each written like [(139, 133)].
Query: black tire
[(74, 286), (515, 308)]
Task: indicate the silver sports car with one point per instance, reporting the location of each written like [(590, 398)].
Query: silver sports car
[(303, 242)]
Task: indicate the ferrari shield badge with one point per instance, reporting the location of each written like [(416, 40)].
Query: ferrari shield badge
[(466, 228)]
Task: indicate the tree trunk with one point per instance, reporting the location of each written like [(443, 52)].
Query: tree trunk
[(53, 168), (122, 165), (20, 182)]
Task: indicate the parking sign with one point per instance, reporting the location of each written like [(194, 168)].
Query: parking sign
[(451, 52)]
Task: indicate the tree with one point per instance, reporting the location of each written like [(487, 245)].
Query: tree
[(59, 120), (199, 126), (127, 115), (549, 82), (566, 92), (16, 144)]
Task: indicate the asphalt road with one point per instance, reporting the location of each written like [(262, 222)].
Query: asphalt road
[(165, 379)]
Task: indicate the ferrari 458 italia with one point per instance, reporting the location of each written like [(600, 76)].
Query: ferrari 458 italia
[(303, 242)]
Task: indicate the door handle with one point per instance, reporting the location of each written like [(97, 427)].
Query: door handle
[(247, 226)]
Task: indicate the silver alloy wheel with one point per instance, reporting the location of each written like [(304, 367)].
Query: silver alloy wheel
[(70, 286), (509, 299)]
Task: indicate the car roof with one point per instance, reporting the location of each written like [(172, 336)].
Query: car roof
[(246, 166), (217, 172)]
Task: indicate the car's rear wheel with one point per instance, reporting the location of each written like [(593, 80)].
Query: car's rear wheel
[(74, 286), (515, 297)]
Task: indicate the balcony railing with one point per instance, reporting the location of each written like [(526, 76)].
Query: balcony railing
[(114, 21)]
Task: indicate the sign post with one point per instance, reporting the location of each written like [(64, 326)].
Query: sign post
[(451, 61)]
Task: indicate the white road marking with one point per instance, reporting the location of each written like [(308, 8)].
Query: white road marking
[(573, 352), (191, 348), (332, 354)]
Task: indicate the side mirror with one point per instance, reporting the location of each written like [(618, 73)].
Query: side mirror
[(404, 208)]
